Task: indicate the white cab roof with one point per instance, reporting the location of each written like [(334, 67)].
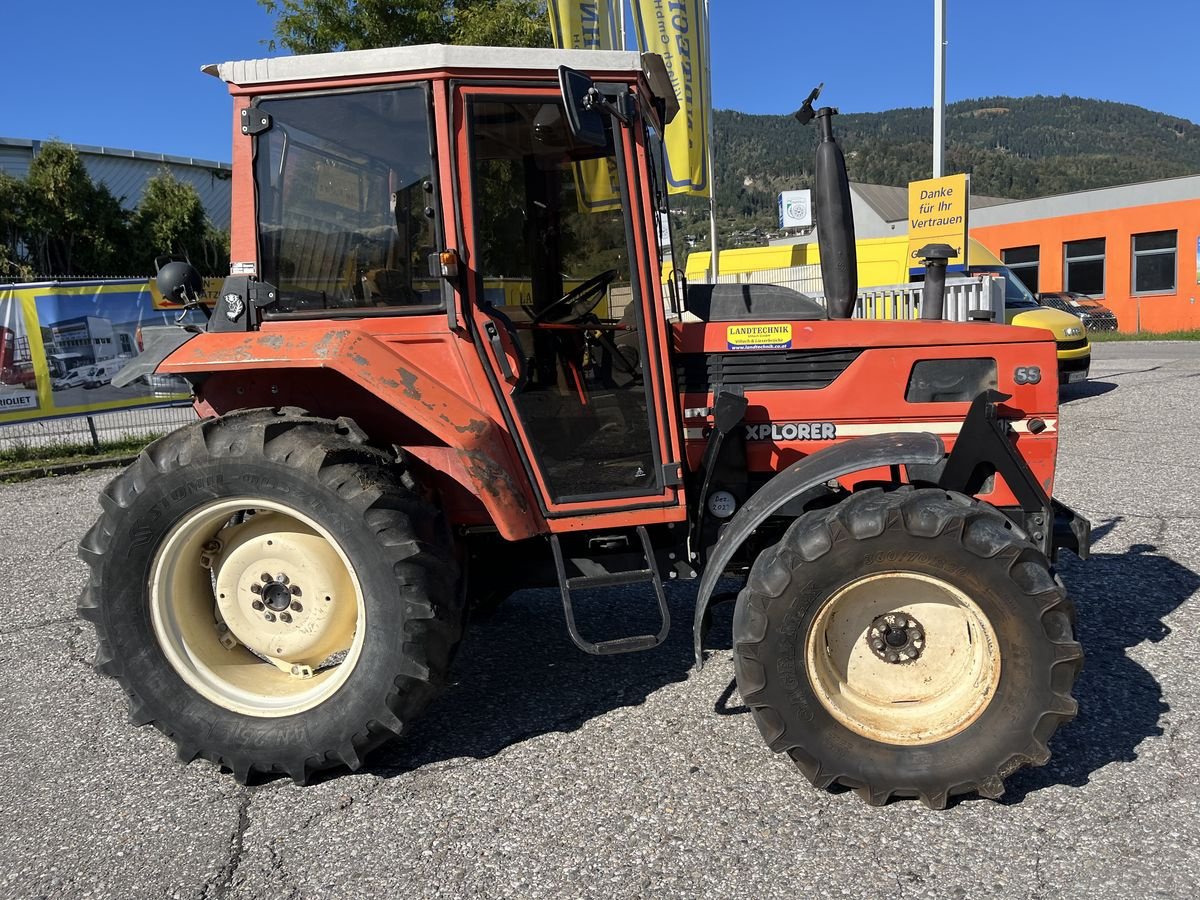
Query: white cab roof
[(424, 57)]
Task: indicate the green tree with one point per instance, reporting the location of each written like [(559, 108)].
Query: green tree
[(169, 220), (322, 26), (13, 263), (69, 224)]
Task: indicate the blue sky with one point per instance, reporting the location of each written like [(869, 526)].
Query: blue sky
[(125, 73)]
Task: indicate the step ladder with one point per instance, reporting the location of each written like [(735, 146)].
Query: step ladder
[(647, 575)]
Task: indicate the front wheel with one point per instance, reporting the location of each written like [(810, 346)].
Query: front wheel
[(272, 593), (911, 643)]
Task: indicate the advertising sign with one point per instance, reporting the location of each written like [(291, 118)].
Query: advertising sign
[(676, 31), (795, 209), (62, 343), (589, 25), (937, 214)]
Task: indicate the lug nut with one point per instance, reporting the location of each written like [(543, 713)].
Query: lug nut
[(270, 617), (281, 578), (256, 588), (296, 607), (295, 590), (257, 604), (285, 617), (266, 577)]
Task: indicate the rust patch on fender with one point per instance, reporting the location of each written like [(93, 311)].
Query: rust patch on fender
[(322, 348), (475, 427), (409, 381), (274, 341), (493, 479)]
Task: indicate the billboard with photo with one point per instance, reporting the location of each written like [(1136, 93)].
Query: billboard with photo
[(61, 343)]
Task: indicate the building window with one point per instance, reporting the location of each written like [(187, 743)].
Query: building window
[(1023, 261), (1154, 262), (1084, 269)]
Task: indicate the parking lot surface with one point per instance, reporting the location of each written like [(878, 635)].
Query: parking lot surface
[(546, 773)]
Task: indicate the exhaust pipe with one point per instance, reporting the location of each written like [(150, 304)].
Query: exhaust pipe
[(835, 215), (933, 299)]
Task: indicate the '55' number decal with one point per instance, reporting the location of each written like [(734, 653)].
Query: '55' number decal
[(1027, 375)]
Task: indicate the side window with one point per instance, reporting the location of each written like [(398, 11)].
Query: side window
[(1023, 261), (346, 203), (1084, 265)]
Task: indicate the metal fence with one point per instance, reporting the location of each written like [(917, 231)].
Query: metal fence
[(967, 298), (98, 428)]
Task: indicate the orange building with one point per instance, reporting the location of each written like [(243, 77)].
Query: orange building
[(1134, 246)]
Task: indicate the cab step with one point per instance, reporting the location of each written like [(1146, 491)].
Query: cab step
[(647, 575)]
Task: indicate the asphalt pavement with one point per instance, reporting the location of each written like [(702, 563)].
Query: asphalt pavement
[(547, 773)]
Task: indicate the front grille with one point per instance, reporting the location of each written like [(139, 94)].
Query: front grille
[(1073, 345), (768, 370)]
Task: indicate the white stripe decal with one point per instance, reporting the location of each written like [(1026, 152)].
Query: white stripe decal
[(850, 429)]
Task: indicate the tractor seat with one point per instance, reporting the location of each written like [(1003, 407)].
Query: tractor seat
[(751, 303)]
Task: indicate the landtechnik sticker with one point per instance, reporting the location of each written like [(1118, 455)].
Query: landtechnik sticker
[(759, 336)]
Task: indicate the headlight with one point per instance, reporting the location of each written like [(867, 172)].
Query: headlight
[(1073, 331)]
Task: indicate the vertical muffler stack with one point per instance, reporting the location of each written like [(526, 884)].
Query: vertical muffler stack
[(835, 221), (835, 215), (933, 300)]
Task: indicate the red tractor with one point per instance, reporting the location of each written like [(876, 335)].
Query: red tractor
[(446, 366)]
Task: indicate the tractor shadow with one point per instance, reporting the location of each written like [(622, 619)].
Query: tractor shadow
[(1083, 390), (517, 674), (1121, 600)]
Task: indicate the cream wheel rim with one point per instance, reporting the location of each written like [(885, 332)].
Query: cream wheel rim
[(257, 607), (926, 689)]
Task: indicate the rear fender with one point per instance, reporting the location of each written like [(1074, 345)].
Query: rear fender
[(474, 454), (825, 465)]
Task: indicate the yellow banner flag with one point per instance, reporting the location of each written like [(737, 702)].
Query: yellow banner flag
[(589, 25), (583, 24), (676, 31)]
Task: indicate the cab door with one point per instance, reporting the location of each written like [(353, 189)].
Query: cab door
[(566, 304)]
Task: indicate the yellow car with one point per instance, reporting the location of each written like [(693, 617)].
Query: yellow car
[(1070, 335)]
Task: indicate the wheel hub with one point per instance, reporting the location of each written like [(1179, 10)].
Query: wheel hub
[(896, 637), (264, 611), (276, 593)]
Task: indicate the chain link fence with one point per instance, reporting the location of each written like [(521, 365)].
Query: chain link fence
[(98, 428)]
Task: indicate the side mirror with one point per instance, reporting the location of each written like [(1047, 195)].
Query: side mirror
[(584, 107), (179, 282)]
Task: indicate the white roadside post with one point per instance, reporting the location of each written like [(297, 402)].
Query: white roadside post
[(714, 265)]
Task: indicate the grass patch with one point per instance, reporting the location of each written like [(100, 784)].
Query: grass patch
[(25, 456), (1102, 336)]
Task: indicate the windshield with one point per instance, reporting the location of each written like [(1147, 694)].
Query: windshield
[(1016, 295)]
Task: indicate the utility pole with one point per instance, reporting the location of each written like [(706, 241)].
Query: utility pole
[(939, 88), (714, 266)]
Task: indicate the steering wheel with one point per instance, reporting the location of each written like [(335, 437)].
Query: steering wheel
[(578, 302)]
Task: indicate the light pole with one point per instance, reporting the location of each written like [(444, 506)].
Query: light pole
[(939, 88), (714, 266)]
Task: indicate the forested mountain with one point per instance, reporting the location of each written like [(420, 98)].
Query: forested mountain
[(1013, 147)]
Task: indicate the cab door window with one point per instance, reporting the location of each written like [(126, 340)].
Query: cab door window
[(553, 258)]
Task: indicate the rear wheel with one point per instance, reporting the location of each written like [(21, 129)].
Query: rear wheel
[(911, 643), (272, 593)]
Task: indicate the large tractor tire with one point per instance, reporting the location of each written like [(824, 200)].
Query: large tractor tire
[(272, 593), (910, 643)]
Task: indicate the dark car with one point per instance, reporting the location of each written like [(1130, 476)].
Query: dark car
[(1095, 315)]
